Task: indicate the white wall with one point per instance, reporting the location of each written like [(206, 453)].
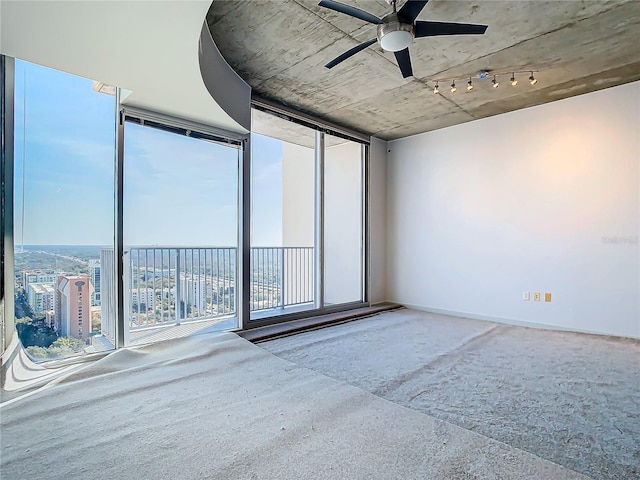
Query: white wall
[(298, 196), (377, 219), (545, 199), (298, 211), (343, 223)]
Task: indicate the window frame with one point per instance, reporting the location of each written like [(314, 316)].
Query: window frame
[(196, 130), (323, 128)]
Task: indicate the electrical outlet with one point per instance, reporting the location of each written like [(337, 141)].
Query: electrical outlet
[(536, 296), (547, 297), (526, 296)]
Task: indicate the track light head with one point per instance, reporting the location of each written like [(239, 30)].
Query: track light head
[(494, 81)]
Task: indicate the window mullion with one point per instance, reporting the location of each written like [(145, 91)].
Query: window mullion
[(319, 219), (119, 260), (7, 74), (244, 232)]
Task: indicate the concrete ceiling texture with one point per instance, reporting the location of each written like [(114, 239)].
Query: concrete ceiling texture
[(280, 48)]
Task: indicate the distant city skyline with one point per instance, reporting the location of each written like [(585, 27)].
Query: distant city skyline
[(178, 190)]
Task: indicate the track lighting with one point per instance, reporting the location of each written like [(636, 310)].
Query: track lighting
[(484, 74)]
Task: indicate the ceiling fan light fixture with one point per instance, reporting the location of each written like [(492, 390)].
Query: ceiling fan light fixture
[(396, 31), (395, 36)]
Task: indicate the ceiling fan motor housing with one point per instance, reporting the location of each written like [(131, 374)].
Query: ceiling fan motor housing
[(395, 35), (397, 30)]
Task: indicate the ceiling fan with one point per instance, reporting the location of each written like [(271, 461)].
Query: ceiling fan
[(397, 30)]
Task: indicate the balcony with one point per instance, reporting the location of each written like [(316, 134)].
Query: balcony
[(193, 289)]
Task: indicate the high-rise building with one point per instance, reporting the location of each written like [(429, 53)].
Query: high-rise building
[(38, 276), (108, 311), (73, 306), (94, 278), (108, 295), (50, 318), (193, 291), (142, 298), (41, 297)]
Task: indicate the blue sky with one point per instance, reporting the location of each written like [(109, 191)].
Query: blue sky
[(178, 190)]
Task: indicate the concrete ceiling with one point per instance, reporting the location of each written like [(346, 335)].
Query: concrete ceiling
[(273, 126), (280, 48)]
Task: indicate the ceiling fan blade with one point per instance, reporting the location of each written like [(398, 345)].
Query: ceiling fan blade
[(349, 10), (404, 62), (433, 29), (412, 9), (350, 53)]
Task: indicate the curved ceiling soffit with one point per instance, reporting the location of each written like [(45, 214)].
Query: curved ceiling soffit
[(120, 47), (224, 85)]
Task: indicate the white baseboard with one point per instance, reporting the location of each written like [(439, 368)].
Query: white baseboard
[(509, 321)]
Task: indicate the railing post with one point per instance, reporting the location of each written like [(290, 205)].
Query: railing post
[(178, 292), (282, 290)]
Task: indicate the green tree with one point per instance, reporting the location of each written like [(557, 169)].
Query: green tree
[(38, 353), (62, 347), (95, 322), (68, 343)]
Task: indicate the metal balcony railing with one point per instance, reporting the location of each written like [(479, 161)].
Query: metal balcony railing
[(281, 277), (172, 285)]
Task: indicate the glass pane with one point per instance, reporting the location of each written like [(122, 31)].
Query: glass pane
[(64, 207), (342, 221), (282, 216), (180, 233)]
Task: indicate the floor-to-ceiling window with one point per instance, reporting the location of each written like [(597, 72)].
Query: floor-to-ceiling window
[(180, 232), (343, 221), (179, 202), (64, 150), (282, 216), (307, 218)]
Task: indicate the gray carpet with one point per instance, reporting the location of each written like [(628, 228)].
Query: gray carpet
[(573, 399), (219, 407)]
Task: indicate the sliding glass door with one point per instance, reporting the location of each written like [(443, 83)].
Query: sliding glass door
[(282, 217), (343, 221), (307, 215), (180, 232)]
